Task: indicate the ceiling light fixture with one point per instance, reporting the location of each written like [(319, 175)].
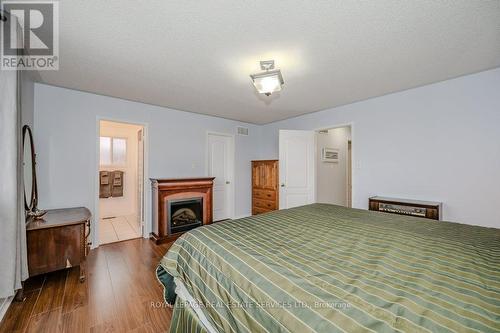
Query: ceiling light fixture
[(269, 81)]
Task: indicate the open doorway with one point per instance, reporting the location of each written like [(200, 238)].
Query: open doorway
[(334, 166), (121, 183)]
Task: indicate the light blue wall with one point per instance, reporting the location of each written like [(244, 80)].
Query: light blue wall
[(438, 142), (66, 132)]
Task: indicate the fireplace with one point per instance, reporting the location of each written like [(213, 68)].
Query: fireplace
[(180, 205), (184, 214)]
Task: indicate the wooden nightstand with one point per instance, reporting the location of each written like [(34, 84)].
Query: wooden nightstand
[(59, 240)]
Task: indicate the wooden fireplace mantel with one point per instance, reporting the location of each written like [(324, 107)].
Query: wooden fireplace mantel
[(178, 188)]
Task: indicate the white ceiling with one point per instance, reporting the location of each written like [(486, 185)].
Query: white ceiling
[(196, 55)]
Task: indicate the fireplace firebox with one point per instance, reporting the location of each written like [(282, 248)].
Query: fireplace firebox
[(184, 214)]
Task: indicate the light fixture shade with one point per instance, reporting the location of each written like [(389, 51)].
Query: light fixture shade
[(268, 82)]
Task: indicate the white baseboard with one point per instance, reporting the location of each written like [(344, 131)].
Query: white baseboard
[(242, 216), (4, 305)]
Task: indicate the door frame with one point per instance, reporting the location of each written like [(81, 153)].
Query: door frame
[(141, 207), (354, 162), (349, 173), (146, 229), (231, 167)]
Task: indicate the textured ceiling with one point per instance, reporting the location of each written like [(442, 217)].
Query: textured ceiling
[(196, 55)]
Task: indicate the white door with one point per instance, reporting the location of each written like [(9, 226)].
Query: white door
[(220, 166), (297, 168)]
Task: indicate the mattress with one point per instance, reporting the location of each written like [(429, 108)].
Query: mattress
[(326, 268)]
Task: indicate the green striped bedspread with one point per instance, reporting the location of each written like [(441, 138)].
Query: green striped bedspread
[(325, 268)]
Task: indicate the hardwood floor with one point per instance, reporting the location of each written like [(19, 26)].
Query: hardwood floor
[(121, 294)]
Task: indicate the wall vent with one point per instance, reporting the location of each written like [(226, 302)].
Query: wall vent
[(242, 130)]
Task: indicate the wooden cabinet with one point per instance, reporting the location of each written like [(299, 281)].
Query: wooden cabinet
[(59, 240), (265, 190)]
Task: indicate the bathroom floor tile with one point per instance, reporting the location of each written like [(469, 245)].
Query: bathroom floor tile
[(118, 228)]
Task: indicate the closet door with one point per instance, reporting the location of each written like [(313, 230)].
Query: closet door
[(221, 166), (297, 168)]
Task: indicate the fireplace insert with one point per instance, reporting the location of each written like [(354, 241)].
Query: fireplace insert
[(184, 214)]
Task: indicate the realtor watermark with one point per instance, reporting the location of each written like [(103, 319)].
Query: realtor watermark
[(248, 305), (30, 35)]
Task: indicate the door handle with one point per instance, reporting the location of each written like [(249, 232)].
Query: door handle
[(282, 185), (228, 182)]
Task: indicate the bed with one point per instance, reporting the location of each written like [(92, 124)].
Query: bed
[(326, 268)]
